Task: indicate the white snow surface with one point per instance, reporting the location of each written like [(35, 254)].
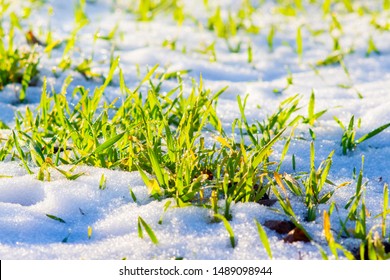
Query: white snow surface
[(27, 233)]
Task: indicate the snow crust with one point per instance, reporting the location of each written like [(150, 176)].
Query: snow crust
[(27, 233)]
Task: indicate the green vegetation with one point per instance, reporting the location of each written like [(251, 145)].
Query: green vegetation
[(264, 239), (16, 65), (348, 141), (161, 133), (143, 225)]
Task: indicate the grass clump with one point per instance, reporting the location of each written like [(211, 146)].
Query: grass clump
[(373, 245), (171, 133), (147, 10), (155, 133), (228, 26), (17, 64), (348, 141), (315, 182)]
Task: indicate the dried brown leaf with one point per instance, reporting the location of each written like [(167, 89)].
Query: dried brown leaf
[(267, 202), (296, 235), (281, 227)]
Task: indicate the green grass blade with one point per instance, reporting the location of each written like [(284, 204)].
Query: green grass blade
[(348, 5), (241, 106), (311, 107), (109, 143), (149, 74), (372, 133), (89, 231), (151, 184), (325, 172), (21, 154), (285, 149), (270, 38), (102, 182), (228, 228), (322, 252), (319, 114), (55, 218), (386, 4), (264, 238), (326, 6), (3, 125), (148, 229), (69, 175), (266, 149), (132, 194), (166, 206), (110, 75), (351, 123), (299, 42), (339, 123), (25, 82), (36, 153), (158, 170)]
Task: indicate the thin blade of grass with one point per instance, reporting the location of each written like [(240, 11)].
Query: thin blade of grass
[(69, 175), (264, 239), (132, 194), (55, 218), (166, 206), (285, 149), (372, 133), (149, 74), (228, 228), (110, 142), (299, 42), (148, 229), (21, 154), (311, 106), (326, 170), (266, 149), (151, 184)]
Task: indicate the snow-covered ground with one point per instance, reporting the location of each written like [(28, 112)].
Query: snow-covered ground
[(27, 233)]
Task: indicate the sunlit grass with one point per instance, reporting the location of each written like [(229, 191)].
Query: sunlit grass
[(161, 134)]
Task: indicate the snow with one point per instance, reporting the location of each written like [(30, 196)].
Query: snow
[(27, 233)]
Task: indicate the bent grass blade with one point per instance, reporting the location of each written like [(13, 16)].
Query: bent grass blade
[(228, 228), (55, 218), (109, 143), (264, 239), (148, 229), (372, 133)]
